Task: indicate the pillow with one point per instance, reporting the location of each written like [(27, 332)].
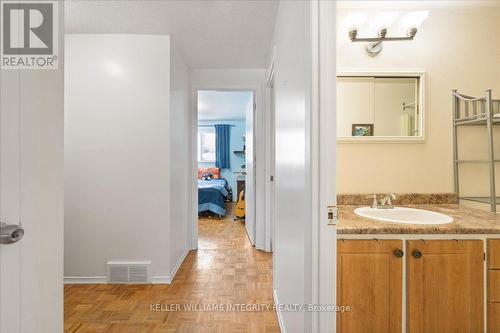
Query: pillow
[(207, 176), (214, 171)]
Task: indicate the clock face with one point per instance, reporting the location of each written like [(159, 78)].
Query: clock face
[(374, 49)]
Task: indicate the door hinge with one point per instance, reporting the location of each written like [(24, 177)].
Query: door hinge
[(254, 106), (333, 215), (484, 256), (271, 178)]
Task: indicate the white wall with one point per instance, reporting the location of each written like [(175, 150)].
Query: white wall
[(31, 270), (458, 48), (180, 176), (236, 76), (117, 152), (292, 247)]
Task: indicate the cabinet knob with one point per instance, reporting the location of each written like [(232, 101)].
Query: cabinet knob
[(398, 253), (417, 254)]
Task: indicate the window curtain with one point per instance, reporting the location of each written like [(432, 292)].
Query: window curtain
[(222, 148)]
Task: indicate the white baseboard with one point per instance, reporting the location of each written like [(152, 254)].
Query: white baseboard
[(159, 279), (85, 280), (278, 312), (178, 264)]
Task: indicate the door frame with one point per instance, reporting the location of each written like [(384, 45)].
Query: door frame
[(322, 161), (193, 161), (323, 164), (270, 128)]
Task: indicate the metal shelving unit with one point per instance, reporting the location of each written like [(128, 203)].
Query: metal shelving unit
[(476, 111)]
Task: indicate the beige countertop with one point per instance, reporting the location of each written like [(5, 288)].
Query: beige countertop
[(466, 221)]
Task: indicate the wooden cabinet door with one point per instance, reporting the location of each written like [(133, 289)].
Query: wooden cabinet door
[(493, 291), (445, 286), (369, 281)]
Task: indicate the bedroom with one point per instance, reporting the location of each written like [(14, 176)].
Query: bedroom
[(222, 155)]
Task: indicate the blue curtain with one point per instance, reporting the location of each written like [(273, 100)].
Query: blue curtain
[(222, 153)]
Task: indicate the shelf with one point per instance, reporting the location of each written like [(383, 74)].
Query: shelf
[(489, 115), (486, 200), (475, 161), (476, 122)]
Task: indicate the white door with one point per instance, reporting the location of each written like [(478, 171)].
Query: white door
[(272, 158), (250, 171), (31, 191)]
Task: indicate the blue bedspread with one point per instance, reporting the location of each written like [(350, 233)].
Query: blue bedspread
[(218, 184), (211, 195)]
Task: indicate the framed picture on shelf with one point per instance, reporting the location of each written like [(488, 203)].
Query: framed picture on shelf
[(362, 130)]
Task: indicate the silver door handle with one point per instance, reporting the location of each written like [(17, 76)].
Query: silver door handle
[(10, 233)]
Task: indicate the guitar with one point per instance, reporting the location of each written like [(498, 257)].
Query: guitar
[(240, 206)]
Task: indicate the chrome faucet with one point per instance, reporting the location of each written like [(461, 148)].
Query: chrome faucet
[(386, 202)]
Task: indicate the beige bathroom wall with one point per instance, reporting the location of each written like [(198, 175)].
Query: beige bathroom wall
[(458, 46)]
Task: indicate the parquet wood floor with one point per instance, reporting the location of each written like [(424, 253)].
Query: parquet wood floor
[(225, 269)]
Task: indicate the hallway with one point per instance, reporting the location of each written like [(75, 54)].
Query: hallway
[(225, 270)]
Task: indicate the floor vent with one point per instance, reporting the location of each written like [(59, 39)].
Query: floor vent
[(129, 271)]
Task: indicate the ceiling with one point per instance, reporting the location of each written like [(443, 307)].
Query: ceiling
[(426, 4), (223, 105), (210, 34)]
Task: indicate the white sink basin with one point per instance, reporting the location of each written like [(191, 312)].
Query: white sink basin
[(403, 215)]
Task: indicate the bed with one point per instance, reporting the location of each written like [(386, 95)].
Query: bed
[(212, 194)]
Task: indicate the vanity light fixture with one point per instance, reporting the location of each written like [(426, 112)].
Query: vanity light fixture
[(375, 43), (409, 22), (382, 36)]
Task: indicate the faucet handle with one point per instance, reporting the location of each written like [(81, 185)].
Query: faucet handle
[(388, 199), (375, 201)]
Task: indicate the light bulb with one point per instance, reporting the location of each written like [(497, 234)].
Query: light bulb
[(354, 20), (383, 20), (413, 19)]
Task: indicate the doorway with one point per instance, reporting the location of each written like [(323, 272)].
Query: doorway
[(223, 159)]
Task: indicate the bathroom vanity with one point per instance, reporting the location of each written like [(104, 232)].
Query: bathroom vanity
[(419, 278)]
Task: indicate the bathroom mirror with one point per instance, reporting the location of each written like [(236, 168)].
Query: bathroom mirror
[(380, 106)]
